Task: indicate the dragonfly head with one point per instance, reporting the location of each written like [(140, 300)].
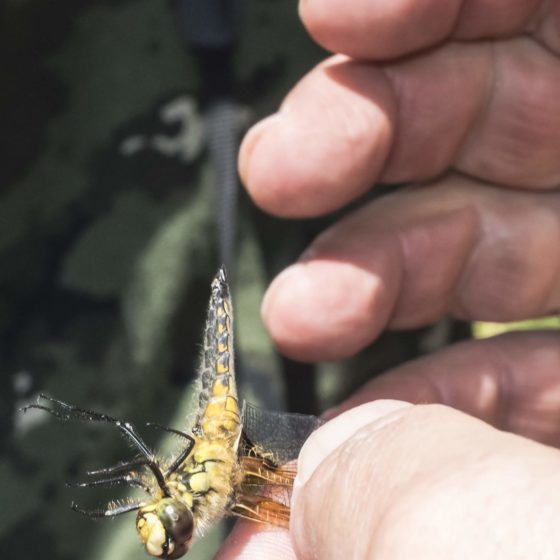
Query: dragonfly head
[(166, 528)]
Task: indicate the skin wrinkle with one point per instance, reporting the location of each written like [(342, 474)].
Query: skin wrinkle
[(534, 14), (505, 398), (476, 243), (511, 263), (458, 18), (522, 146), (539, 26), (354, 127), (385, 71), (534, 99), (459, 305), (486, 102), (312, 542), (467, 261), (402, 235), (394, 90), (364, 526), (343, 460), (385, 107), (406, 77), (468, 12)]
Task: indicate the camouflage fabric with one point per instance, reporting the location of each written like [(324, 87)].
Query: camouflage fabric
[(108, 243)]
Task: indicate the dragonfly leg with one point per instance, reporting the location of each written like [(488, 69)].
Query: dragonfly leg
[(113, 476), (109, 511), (184, 454), (65, 411), (119, 467), (130, 479), (179, 433)]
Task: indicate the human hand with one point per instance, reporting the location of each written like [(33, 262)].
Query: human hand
[(395, 481), (483, 116), (463, 98)]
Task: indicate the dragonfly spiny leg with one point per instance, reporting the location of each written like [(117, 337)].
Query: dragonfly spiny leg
[(119, 467), (109, 511), (184, 453), (65, 411), (129, 479), (171, 431), (113, 476)]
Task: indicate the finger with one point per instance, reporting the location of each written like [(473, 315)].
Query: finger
[(253, 541), (328, 131), (511, 381), (378, 30), (429, 482), (490, 111), (409, 258)]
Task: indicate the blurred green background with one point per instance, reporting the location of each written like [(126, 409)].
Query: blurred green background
[(108, 243)]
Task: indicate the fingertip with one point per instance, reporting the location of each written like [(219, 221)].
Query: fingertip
[(296, 169), (328, 437), (250, 141), (269, 168), (326, 146), (324, 310)]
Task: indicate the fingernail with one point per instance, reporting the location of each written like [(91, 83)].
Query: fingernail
[(326, 439)]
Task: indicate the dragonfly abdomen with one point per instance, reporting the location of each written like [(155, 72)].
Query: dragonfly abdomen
[(219, 408), (221, 418)]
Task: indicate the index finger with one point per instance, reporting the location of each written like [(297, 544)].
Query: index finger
[(379, 30), (489, 110)]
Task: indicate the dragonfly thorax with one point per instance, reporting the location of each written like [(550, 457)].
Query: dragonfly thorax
[(166, 528)]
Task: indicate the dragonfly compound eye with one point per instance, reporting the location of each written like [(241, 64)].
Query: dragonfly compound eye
[(165, 528)]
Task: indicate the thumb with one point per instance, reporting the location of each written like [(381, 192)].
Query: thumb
[(392, 480)]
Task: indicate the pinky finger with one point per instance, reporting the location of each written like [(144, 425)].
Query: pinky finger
[(511, 381)]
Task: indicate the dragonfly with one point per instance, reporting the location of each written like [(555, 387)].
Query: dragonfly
[(234, 458)]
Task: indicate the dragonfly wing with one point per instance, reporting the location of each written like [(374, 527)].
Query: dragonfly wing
[(278, 435), (268, 512), (264, 494), (270, 444)]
